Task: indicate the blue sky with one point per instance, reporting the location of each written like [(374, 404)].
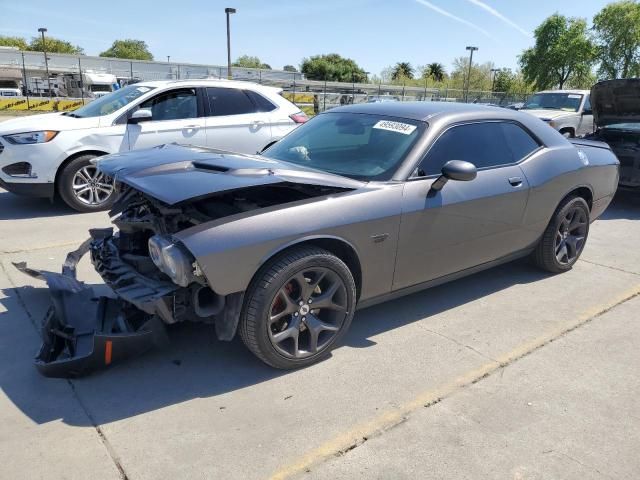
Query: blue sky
[(375, 33)]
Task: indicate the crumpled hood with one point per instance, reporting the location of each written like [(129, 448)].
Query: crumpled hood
[(46, 121), (616, 101), (549, 114), (175, 173)]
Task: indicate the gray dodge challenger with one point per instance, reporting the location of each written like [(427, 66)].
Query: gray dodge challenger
[(361, 204)]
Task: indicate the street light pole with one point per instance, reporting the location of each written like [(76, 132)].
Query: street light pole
[(471, 50), (229, 11), (46, 61), (493, 83)]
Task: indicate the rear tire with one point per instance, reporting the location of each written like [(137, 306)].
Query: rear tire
[(289, 324), (83, 188), (565, 236)]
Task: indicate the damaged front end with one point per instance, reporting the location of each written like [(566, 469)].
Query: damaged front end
[(154, 279), (83, 331)]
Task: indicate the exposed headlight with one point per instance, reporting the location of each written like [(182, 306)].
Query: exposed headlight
[(553, 124), (29, 138), (171, 259)]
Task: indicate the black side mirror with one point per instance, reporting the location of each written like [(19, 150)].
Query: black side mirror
[(140, 115), (455, 170), (587, 112)]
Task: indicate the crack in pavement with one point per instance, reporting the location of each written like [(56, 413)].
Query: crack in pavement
[(610, 267), (36, 249), (459, 344), (101, 435), (347, 441)]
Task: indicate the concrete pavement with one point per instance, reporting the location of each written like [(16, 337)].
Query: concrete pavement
[(207, 409)]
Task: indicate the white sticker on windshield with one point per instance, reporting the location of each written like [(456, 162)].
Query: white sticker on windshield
[(573, 95), (404, 128), (143, 89)]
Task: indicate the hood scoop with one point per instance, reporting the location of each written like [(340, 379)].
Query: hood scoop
[(210, 167)]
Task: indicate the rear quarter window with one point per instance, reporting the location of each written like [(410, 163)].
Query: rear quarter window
[(519, 141), (261, 102)]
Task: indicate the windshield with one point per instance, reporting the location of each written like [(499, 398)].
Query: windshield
[(364, 147), (567, 102), (110, 102)]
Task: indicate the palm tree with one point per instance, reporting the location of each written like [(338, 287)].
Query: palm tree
[(402, 70), (436, 71)]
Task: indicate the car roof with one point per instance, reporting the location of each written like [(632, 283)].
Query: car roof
[(420, 110), (214, 82)]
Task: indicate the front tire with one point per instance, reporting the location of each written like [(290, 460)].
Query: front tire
[(83, 187), (565, 236), (298, 307)]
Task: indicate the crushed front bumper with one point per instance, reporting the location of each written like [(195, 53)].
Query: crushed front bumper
[(83, 331)]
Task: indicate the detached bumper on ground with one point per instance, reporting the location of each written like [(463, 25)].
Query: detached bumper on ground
[(83, 331)]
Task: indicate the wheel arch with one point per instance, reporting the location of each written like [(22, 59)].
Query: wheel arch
[(340, 247), (583, 191), (571, 130), (73, 156)]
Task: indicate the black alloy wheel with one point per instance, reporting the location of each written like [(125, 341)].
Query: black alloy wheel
[(571, 236), (307, 312), (298, 307), (565, 237)]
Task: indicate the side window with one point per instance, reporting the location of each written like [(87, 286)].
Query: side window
[(229, 101), (482, 144), (173, 105), (519, 141), (587, 104), (262, 103)]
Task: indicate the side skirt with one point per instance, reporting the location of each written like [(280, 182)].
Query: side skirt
[(439, 281)]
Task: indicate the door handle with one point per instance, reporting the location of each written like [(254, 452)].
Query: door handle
[(515, 181), (258, 123)]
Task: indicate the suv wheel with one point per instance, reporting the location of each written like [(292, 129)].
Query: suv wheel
[(83, 187), (298, 308)]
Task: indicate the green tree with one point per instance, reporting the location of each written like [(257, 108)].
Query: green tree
[(480, 74), (562, 52), (54, 45), (17, 42), (289, 68), (503, 81), (617, 36), (434, 70), (402, 70), (130, 49), (247, 61), (332, 67)]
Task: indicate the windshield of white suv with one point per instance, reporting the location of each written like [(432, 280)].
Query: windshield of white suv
[(567, 102), (361, 146), (110, 102)]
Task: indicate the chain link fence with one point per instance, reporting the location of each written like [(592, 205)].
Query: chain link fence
[(82, 78)]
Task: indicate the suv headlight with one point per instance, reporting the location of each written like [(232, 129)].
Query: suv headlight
[(171, 259), (29, 138)]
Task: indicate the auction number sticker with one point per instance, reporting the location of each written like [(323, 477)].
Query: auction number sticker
[(573, 95), (404, 128)]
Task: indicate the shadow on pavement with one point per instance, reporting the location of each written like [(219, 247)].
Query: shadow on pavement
[(196, 364), (17, 207), (625, 205)]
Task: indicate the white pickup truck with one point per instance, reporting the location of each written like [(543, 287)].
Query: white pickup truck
[(568, 111)]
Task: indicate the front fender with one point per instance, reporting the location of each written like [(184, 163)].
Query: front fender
[(229, 251)]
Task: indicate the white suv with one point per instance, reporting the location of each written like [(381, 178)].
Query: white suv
[(568, 111), (48, 154)]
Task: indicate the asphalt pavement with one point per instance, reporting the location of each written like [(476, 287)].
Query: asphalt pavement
[(510, 373)]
